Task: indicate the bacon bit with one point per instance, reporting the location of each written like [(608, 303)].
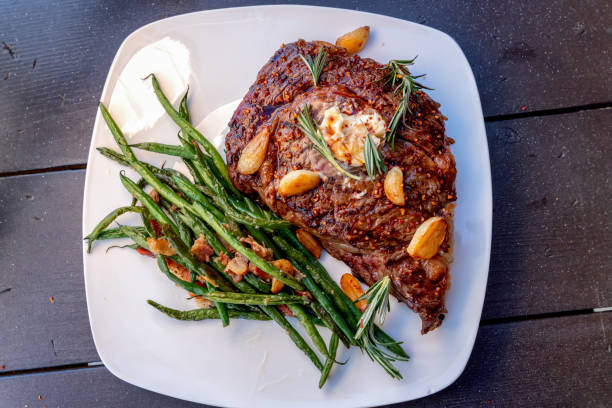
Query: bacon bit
[(156, 227), (201, 249), (51, 299), (155, 196), (284, 309), (223, 259), (178, 270), (235, 276), (145, 252), (259, 273), (262, 251), (238, 265), (160, 246)]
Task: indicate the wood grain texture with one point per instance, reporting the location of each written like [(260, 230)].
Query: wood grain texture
[(543, 363), (536, 55), (552, 229), (40, 254)]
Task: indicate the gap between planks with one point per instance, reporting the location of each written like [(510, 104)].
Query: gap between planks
[(487, 322), (488, 119)]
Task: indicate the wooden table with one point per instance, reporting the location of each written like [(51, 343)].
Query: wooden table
[(544, 70)]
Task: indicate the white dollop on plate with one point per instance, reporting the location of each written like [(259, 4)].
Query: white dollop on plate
[(133, 104)]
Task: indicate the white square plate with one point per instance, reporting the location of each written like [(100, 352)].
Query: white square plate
[(254, 364)]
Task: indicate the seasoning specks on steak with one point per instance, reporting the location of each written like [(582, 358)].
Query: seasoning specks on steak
[(354, 220)]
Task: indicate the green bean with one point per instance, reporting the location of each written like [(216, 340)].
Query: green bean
[(147, 201), (135, 235), (249, 254), (333, 348), (194, 194), (116, 233), (186, 257), (183, 229), (309, 327), (194, 173), (351, 312), (143, 170), (200, 228), (190, 130), (119, 158), (204, 314), (228, 185), (389, 343), (188, 286), (257, 283), (146, 221), (192, 263), (164, 191), (328, 322), (221, 307), (310, 284), (141, 183), (113, 155), (184, 232), (183, 109), (255, 299), (171, 150), (293, 334), (106, 221)]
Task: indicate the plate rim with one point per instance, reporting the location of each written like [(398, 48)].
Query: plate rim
[(487, 189)]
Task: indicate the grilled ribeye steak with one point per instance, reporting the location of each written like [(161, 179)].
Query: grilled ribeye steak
[(354, 220)]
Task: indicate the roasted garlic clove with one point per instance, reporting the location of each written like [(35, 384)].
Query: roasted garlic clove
[(298, 182), (254, 153), (394, 186), (285, 266), (309, 242), (427, 239), (354, 41), (352, 288)]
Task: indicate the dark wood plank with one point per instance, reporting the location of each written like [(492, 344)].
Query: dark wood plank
[(40, 254), (545, 363), (552, 193), (549, 255), (536, 55)]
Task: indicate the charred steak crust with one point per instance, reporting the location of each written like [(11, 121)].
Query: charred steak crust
[(354, 220)]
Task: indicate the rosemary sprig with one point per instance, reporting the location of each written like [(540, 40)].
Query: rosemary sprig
[(377, 297), (313, 132), (316, 67), (397, 73), (373, 162)]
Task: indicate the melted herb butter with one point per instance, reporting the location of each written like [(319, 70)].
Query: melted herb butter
[(345, 134)]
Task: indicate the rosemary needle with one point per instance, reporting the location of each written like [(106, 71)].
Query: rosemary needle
[(316, 66), (373, 162), (397, 73)]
